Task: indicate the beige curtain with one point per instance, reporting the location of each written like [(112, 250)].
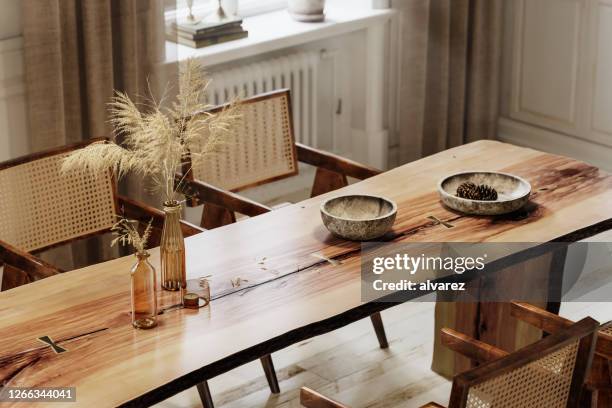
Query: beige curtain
[(76, 53), (450, 62)]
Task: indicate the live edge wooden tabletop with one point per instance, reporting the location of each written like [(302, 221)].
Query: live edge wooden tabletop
[(287, 290)]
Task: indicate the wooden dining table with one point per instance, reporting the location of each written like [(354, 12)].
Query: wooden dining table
[(276, 279)]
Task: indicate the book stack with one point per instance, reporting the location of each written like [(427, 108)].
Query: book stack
[(203, 33)]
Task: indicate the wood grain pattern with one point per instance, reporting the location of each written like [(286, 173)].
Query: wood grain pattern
[(286, 292)]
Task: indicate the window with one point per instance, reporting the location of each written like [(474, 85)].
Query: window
[(201, 8)]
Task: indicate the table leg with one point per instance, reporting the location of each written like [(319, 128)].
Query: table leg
[(491, 321), (379, 329), (268, 367), (205, 396)]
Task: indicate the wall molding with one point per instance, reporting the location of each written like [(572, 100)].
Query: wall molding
[(523, 134)]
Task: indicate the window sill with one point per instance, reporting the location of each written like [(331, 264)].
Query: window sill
[(277, 30)]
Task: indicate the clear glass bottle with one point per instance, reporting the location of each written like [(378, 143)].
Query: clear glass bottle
[(172, 250), (144, 293)]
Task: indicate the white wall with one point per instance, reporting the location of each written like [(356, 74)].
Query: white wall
[(557, 77), (13, 123)]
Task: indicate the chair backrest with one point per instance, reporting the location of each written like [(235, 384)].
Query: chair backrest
[(262, 148), (549, 373), (40, 207)]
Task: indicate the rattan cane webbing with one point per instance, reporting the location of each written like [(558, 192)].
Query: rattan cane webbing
[(544, 383), (607, 330), (260, 149), (41, 207)]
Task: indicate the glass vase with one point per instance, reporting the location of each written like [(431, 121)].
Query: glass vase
[(172, 250), (144, 296)]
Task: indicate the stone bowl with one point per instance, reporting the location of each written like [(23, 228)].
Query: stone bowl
[(358, 217), (512, 192)]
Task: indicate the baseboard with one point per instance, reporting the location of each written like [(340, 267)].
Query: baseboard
[(522, 134)]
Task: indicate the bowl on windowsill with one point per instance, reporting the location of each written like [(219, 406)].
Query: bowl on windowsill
[(310, 11)]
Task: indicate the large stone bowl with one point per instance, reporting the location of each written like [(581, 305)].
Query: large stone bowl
[(358, 217), (512, 192)]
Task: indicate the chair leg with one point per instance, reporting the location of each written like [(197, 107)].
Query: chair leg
[(205, 396), (268, 367), (12, 277), (379, 329)]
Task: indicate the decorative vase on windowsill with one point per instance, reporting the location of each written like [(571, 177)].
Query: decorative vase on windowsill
[(155, 145), (306, 10)]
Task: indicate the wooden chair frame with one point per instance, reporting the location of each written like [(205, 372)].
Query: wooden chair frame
[(497, 362), (598, 387), (331, 174), (22, 267)]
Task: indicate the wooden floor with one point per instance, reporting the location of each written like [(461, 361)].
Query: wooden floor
[(348, 365)]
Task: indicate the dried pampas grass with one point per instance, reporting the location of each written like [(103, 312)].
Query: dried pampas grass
[(157, 142), (126, 233)]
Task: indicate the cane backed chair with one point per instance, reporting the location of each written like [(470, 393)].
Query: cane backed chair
[(549, 373), (41, 208), (263, 150), (598, 387)]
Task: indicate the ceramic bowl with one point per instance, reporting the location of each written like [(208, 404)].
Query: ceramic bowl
[(512, 192), (358, 217)]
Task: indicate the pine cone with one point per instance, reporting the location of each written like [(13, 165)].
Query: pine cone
[(472, 191), (486, 193), (468, 190)]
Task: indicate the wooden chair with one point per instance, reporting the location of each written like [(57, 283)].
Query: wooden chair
[(264, 150), (41, 208), (598, 387), (549, 373)]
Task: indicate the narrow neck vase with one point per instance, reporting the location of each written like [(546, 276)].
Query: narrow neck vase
[(172, 249), (144, 296)]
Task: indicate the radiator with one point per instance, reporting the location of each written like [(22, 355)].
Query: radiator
[(296, 71)]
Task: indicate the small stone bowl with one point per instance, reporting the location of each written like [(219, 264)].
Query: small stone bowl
[(358, 217), (512, 192)]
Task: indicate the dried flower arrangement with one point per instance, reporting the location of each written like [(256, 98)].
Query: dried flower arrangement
[(126, 233), (156, 142)]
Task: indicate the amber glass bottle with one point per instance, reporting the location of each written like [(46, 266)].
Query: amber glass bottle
[(144, 296)]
